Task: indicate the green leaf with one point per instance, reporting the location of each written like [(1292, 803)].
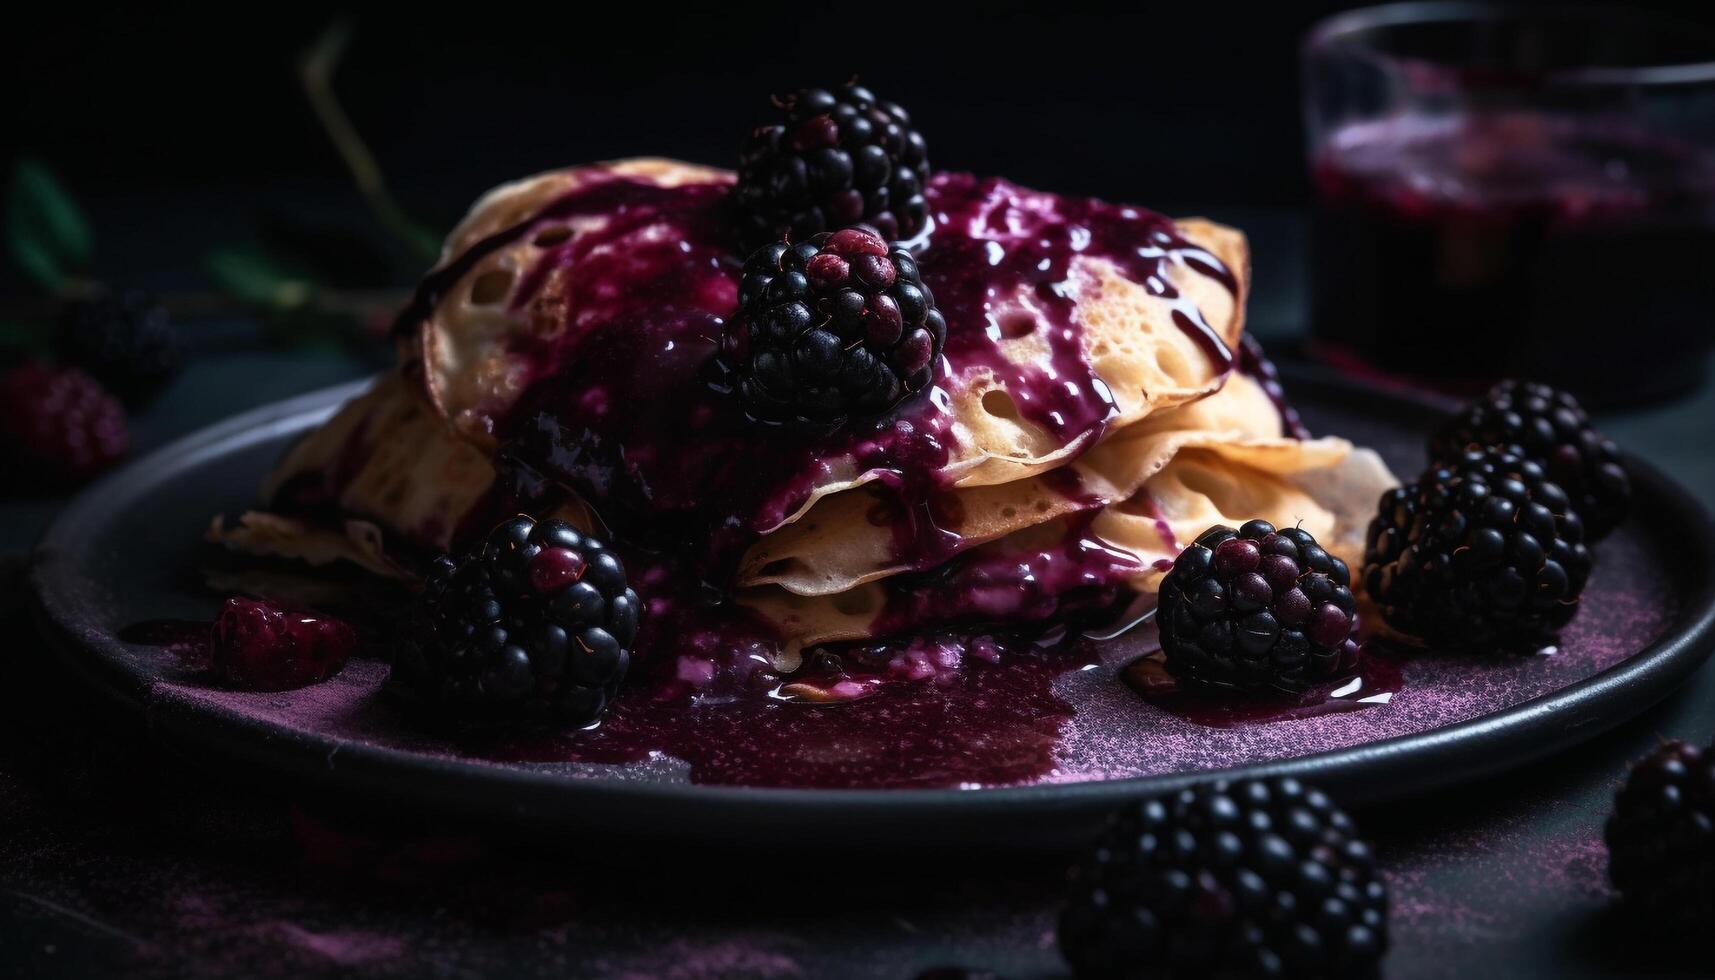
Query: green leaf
[(45, 227), (47, 232), (257, 277)]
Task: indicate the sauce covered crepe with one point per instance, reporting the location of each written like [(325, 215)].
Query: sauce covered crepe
[(1086, 413)]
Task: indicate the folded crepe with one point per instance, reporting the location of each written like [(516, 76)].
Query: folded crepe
[(838, 545), (1129, 334), (517, 302), (1154, 489)]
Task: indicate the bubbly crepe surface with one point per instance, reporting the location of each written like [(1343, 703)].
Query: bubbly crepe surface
[(1086, 402)]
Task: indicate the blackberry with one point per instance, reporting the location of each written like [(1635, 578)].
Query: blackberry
[(1550, 427), (833, 159), (1258, 610), (1661, 836), (58, 427), (124, 340), (1256, 878), (533, 626), (836, 326), (1480, 552)]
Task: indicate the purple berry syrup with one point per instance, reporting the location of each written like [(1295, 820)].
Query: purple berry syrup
[(1469, 247), (1377, 680), (620, 407), (945, 711)]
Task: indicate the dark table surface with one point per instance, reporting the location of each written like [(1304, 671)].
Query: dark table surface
[(116, 859)]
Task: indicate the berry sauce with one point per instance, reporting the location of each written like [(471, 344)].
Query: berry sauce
[(956, 710), (1377, 680), (1463, 248), (1253, 363), (993, 238), (1076, 571), (620, 404)]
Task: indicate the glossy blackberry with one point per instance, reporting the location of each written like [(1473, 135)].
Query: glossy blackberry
[(1549, 426), (834, 327), (832, 159), (1257, 878), (1486, 552), (58, 427), (534, 625), (1257, 609), (124, 340), (1661, 837)]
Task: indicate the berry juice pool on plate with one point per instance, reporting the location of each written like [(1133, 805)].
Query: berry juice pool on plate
[(1498, 194)]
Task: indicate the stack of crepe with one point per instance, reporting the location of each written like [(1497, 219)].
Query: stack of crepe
[(1190, 442)]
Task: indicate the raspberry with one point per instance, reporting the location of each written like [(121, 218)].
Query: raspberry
[(264, 646), (58, 427)]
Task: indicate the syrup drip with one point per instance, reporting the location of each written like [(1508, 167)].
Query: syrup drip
[(1254, 363), (1377, 680)]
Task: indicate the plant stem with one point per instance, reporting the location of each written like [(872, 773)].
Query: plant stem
[(315, 71)]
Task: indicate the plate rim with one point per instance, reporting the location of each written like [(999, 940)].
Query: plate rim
[(1392, 768)]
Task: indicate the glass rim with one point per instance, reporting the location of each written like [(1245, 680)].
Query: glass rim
[(1350, 27)]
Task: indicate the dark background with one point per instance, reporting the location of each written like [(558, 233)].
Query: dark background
[(1127, 101), (185, 131), (1165, 105)]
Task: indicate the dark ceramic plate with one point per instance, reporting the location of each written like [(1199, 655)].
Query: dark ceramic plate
[(126, 551)]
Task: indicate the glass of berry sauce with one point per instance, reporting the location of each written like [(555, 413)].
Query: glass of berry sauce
[(1514, 191)]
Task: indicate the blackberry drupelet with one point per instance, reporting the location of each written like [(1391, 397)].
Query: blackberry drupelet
[(124, 340), (534, 625), (1257, 609), (835, 159), (1257, 878), (58, 427), (1485, 551), (1661, 837), (834, 327), (1550, 427)]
